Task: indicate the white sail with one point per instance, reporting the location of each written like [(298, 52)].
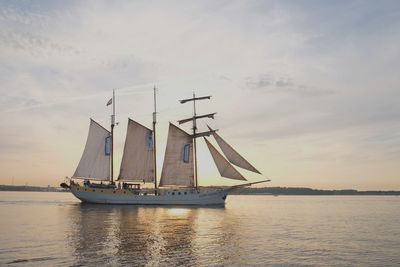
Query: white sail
[(137, 160), (233, 156), (178, 161), (224, 167), (95, 161)]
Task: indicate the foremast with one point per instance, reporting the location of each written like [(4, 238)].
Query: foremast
[(195, 134)]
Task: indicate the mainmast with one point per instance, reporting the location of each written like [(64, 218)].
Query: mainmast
[(195, 134), (154, 139), (112, 137)]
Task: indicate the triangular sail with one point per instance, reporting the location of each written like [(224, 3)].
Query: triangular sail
[(224, 167), (95, 161), (137, 160), (233, 156), (178, 161)]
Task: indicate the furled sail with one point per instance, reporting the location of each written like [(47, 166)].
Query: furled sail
[(178, 161), (95, 161), (224, 167), (137, 160), (231, 154)]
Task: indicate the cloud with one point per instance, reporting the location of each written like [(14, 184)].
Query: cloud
[(34, 44), (271, 84)]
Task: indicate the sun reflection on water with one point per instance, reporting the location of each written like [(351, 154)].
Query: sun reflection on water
[(149, 235), (178, 212)]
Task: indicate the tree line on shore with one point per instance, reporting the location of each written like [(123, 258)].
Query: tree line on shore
[(307, 191), (238, 191)]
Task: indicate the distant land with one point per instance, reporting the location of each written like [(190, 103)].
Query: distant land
[(308, 191), (30, 188), (299, 191)]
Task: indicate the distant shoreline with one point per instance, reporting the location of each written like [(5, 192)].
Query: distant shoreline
[(292, 191), (27, 188), (303, 191)]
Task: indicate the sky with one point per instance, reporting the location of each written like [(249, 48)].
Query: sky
[(307, 91)]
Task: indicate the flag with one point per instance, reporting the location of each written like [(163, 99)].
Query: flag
[(109, 102)]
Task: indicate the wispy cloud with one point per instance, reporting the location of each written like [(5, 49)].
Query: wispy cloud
[(270, 84)]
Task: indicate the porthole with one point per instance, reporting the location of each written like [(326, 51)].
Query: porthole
[(94, 190), (85, 189), (179, 193), (101, 191), (114, 192), (173, 193), (185, 193)]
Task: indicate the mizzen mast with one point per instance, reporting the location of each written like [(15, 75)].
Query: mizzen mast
[(195, 134), (112, 100)]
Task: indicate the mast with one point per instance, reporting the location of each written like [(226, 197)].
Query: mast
[(195, 134), (112, 138), (154, 139), (194, 141)]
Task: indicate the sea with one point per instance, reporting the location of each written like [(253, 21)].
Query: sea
[(55, 229)]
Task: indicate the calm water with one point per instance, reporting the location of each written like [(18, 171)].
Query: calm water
[(54, 229)]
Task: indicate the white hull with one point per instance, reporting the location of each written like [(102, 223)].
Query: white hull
[(167, 197)]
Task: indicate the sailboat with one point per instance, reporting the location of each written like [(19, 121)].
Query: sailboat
[(178, 184)]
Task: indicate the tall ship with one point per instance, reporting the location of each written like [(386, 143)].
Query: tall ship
[(93, 180)]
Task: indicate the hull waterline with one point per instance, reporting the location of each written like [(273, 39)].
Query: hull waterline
[(131, 197)]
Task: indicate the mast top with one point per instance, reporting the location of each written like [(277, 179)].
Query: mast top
[(183, 101)]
